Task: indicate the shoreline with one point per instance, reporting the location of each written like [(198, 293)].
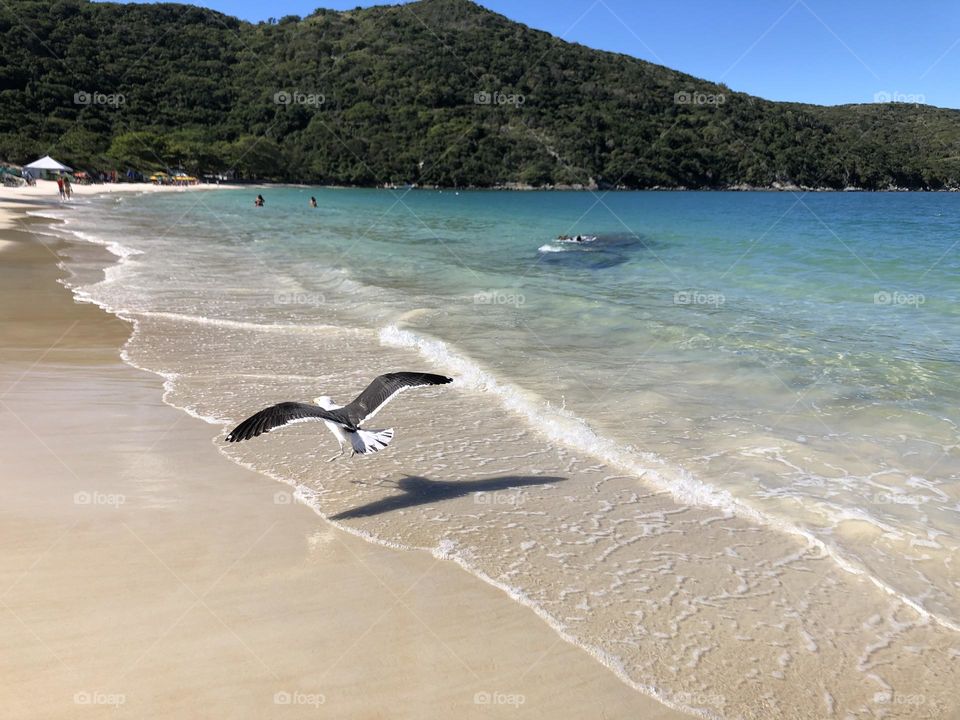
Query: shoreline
[(516, 187), (49, 195), (16, 201), (57, 342)]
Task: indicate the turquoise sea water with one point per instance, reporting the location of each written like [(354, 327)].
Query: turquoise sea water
[(789, 358)]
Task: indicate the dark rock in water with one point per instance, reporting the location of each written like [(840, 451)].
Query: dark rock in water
[(607, 250)]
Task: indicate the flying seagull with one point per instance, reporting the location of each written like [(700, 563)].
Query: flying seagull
[(343, 421)]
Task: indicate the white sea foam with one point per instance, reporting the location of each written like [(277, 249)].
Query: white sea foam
[(48, 214), (307, 329), (121, 251), (112, 246), (563, 427)]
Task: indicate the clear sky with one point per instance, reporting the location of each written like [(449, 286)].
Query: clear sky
[(818, 51)]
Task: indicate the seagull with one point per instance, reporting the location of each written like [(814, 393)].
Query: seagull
[(343, 421)]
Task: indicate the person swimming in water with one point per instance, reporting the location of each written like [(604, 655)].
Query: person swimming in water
[(259, 202), (313, 202)]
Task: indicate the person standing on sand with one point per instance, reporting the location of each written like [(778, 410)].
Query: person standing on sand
[(67, 188), (60, 187)]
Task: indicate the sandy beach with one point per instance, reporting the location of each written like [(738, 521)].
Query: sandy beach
[(13, 201), (145, 575)]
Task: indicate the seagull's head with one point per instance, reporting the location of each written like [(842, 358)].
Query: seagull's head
[(326, 402)]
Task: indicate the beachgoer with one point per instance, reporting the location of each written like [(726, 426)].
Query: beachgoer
[(259, 201), (63, 195), (67, 188), (313, 201)]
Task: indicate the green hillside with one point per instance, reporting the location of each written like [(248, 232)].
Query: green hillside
[(439, 92)]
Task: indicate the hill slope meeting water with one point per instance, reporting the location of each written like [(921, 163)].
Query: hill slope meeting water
[(435, 92)]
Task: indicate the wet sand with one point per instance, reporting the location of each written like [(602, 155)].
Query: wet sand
[(145, 575)]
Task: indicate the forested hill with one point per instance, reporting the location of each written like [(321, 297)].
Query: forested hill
[(437, 92)]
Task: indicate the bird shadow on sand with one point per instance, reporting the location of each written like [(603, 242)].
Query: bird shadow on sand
[(422, 491)]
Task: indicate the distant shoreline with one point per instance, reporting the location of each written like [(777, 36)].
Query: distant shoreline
[(517, 187), (46, 191)]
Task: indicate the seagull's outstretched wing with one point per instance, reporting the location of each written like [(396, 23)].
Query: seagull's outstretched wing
[(383, 390), (279, 415)]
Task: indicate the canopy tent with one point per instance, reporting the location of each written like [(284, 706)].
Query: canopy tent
[(45, 164)]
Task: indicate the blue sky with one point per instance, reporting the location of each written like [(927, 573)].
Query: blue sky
[(819, 51)]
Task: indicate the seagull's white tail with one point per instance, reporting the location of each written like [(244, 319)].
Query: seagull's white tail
[(370, 441)]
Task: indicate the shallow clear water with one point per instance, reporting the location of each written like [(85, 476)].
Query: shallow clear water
[(783, 360)]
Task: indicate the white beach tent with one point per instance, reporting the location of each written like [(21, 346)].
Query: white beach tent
[(45, 164)]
